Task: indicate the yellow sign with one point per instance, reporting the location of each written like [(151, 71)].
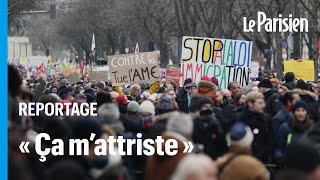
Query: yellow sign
[(302, 69), (23, 60)]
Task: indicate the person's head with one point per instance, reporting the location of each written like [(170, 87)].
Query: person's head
[(227, 94), (255, 102), (171, 93), (289, 77), (165, 105), (234, 88), (70, 90), (99, 87), (81, 97), (186, 83), (205, 106), (287, 99), (215, 81), (133, 107), (180, 123), (264, 85), (302, 85), (316, 88), (14, 81), (54, 89), (108, 113), (300, 111), (283, 90), (239, 99), (296, 97), (196, 167), (170, 84), (140, 98), (192, 88), (135, 89), (85, 80), (114, 96), (219, 99), (147, 109), (102, 98), (240, 138)]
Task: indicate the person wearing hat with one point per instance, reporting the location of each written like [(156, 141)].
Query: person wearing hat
[(182, 96), (240, 138), (132, 121), (140, 98), (99, 87), (292, 130), (208, 131), (122, 102), (271, 97)]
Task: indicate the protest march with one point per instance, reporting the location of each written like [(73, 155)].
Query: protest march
[(165, 91)]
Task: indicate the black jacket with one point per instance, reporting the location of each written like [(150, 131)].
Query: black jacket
[(290, 85), (261, 125), (281, 117), (208, 132), (182, 100), (273, 104)]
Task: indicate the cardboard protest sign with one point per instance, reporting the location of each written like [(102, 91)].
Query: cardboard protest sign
[(35, 61), (73, 78), (302, 69), (227, 60), (127, 69)]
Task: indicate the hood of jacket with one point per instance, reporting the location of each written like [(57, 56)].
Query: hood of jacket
[(306, 93)]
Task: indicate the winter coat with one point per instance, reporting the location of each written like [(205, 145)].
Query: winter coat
[(290, 85), (281, 117), (208, 131), (182, 100), (132, 122), (286, 134), (162, 167), (159, 124), (261, 125), (273, 104)]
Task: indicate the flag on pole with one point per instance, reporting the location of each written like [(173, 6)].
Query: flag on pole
[(93, 44), (136, 50)]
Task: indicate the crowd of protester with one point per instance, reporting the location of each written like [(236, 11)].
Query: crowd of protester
[(268, 129)]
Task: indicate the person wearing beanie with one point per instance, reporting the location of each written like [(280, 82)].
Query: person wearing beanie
[(271, 97), (241, 167), (147, 108), (99, 87), (208, 130), (293, 129), (205, 78), (132, 121), (208, 89), (240, 138), (215, 81), (164, 110), (140, 98)]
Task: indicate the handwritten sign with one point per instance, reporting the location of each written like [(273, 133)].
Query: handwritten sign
[(35, 61), (302, 69), (227, 60), (133, 68)]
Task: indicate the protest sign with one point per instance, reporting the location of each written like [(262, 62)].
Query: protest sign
[(35, 61), (254, 69), (302, 69), (73, 78), (127, 69), (227, 60)]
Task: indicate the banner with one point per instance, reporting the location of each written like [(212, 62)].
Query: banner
[(127, 69), (227, 60), (35, 61), (254, 69), (302, 69)]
